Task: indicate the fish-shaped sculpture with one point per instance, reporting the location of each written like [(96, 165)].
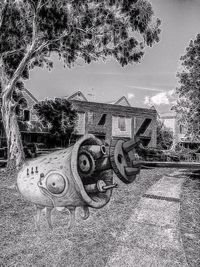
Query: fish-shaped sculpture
[(78, 176)]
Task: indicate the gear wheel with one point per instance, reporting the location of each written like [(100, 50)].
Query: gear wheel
[(121, 160)]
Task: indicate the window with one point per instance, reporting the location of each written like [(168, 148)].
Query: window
[(102, 121), (90, 117), (26, 115), (122, 124)]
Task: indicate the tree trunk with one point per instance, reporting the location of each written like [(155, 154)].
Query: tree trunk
[(14, 142)]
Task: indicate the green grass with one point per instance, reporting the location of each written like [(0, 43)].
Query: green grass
[(190, 220), (89, 243)]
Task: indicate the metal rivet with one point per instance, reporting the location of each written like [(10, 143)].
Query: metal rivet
[(27, 171), (32, 170), (36, 169)]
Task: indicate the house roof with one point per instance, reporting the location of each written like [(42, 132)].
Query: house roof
[(28, 93), (122, 101), (77, 96)]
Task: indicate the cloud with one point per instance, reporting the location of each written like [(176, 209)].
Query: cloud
[(162, 98), (171, 92), (144, 88), (130, 95)]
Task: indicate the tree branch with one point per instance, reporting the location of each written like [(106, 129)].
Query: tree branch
[(8, 53), (47, 43), (27, 57), (36, 11), (10, 87), (3, 12)]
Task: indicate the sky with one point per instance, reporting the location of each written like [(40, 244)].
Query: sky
[(151, 82)]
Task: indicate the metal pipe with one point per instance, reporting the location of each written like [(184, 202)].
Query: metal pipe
[(158, 164), (129, 145), (106, 187), (100, 186), (103, 164)]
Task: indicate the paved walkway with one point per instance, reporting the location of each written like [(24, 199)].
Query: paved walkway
[(152, 236)]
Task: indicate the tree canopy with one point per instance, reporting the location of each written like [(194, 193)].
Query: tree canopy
[(188, 91), (164, 136), (59, 116), (87, 29)]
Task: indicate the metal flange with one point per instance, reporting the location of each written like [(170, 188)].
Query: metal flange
[(121, 158)]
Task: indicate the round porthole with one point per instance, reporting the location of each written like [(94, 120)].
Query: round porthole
[(55, 183)]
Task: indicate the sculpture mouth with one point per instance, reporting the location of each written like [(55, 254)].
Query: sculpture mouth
[(92, 179)]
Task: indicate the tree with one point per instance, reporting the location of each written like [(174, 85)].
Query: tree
[(59, 116), (164, 136), (31, 30), (188, 91)]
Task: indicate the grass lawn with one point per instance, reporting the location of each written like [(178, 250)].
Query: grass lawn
[(190, 220), (89, 243)]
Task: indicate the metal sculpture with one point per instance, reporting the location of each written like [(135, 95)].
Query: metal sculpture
[(78, 176)]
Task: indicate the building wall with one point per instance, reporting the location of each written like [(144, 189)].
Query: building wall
[(171, 121), (35, 132), (30, 103), (102, 120)]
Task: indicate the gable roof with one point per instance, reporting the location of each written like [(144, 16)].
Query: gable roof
[(122, 102), (77, 96)]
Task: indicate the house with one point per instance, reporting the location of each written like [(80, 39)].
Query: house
[(31, 129), (104, 120), (112, 120)]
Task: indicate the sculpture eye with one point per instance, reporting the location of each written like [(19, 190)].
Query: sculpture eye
[(55, 183)]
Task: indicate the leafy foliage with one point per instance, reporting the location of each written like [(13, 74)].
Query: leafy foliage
[(164, 136), (58, 115), (75, 29), (188, 104)]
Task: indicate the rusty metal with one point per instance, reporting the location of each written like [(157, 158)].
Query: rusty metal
[(121, 161), (132, 171), (97, 151), (130, 145), (100, 186), (106, 187), (94, 188), (86, 163), (103, 164)]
